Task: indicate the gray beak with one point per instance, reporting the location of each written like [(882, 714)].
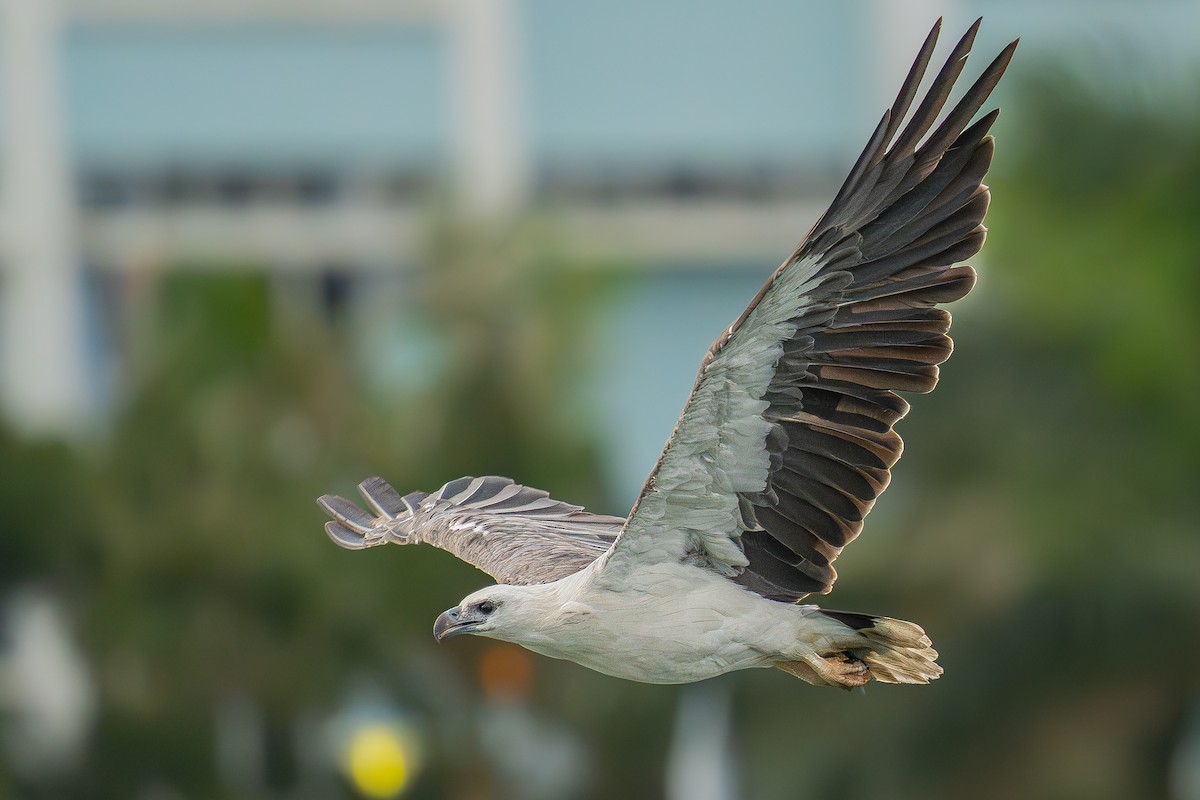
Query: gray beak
[(452, 623)]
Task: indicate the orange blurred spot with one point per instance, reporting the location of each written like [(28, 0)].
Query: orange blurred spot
[(506, 671)]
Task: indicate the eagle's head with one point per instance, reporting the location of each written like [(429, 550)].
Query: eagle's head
[(499, 612)]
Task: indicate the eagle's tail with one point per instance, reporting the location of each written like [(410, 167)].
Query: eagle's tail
[(868, 648)]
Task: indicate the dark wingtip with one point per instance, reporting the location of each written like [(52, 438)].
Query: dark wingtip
[(382, 497), (346, 513), (344, 537), (326, 503), (1006, 54), (975, 27)]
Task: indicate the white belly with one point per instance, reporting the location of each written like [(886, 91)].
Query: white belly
[(670, 623)]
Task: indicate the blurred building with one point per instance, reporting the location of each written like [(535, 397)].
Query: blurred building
[(314, 138)]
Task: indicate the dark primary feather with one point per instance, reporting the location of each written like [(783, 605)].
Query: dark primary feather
[(912, 206), (898, 224), (516, 534)]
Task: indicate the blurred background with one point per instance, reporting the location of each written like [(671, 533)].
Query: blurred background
[(253, 251)]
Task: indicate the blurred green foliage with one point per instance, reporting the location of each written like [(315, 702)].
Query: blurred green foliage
[(188, 542), (1042, 526)]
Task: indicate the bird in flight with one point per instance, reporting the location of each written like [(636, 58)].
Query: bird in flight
[(782, 449)]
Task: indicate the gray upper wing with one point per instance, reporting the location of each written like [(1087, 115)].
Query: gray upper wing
[(516, 534), (787, 439)]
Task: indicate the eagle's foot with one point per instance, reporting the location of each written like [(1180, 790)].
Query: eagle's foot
[(839, 669), (842, 669)]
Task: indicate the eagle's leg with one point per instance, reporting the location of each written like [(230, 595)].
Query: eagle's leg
[(838, 669)]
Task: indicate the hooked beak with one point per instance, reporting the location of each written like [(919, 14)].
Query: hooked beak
[(452, 623)]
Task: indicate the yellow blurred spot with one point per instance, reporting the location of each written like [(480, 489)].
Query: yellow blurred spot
[(378, 761)]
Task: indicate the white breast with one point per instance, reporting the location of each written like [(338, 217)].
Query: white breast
[(667, 623)]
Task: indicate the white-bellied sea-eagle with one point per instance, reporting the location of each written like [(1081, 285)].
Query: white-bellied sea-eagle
[(782, 449)]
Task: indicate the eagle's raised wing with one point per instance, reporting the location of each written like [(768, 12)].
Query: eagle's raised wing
[(516, 534), (787, 440)]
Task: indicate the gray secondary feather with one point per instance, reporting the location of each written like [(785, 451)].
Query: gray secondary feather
[(516, 534)]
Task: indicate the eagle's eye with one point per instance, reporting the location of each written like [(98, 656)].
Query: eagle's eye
[(486, 607)]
